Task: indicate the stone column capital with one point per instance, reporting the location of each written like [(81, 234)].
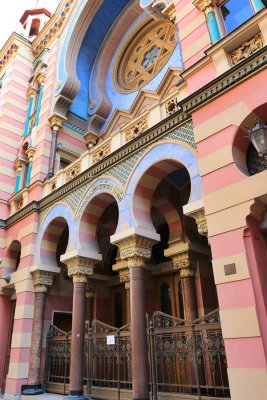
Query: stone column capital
[(80, 267), (124, 275), (136, 249), (56, 122), (30, 92), (90, 290), (185, 263), (204, 5), (41, 280)]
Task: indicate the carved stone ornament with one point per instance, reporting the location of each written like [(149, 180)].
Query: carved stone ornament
[(102, 152), (73, 171), (90, 291), (136, 129), (205, 5), (136, 249), (125, 277), (80, 267), (42, 279), (185, 264), (200, 218), (247, 48)]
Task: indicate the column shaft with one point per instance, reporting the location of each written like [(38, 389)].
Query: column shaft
[(37, 333), (77, 338), (190, 298), (213, 27), (138, 335), (128, 305)]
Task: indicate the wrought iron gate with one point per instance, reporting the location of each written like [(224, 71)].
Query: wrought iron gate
[(184, 357), (187, 357)]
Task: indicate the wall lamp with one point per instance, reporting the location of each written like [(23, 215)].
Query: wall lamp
[(7, 278), (258, 137)]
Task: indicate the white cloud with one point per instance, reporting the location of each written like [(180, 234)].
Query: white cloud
[(12, 11)]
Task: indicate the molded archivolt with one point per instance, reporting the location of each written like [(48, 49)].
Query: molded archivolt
[(155, 165), (90, 24), (11, 259), (94, 43), (58, 219)]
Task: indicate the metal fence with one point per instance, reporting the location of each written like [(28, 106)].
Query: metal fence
[(184, 357), (187, 357)]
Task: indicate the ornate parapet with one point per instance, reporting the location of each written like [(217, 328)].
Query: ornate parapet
[(102, 152), (73, 171), (136, 129)]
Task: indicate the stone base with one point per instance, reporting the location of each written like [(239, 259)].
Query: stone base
[(32, 390)]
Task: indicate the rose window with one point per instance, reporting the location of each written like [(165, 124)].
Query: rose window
[(144, 55)]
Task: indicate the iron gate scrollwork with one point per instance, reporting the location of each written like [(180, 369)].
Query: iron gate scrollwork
[(184, 357), (187, 357), (110, 362)]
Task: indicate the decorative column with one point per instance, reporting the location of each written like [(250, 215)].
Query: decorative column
[(258, 5), (30, 95), (41, 280), (136, 250), (186, 265), (29, 153), (208, 7), (79, 268), (18, 175), (125, 278), (56, 123), (41, 80)]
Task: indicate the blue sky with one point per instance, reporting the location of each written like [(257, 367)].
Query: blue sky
[(12, 10)]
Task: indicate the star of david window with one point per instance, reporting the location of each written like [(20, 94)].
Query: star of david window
[(144, 55)]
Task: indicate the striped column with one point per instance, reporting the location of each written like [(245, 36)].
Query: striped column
[(21, 338)]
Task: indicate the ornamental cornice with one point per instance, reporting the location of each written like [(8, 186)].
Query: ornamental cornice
[(41, 280)]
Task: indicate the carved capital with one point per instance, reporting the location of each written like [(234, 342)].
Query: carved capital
[(204, 5), (201, 221), (41, 280), (30, 92), (125, 277), (56, 122), (136, 249), (90, 139), (90, 289), (79, 266), (185, 264), (41, 78)]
